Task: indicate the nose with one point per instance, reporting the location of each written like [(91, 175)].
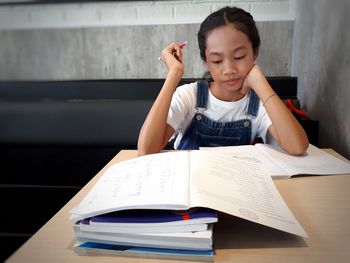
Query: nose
[(230, 67)]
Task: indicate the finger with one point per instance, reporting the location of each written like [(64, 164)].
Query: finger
[(166, 52), (168, 49), (244, 90), (178, 53), (245, 87)]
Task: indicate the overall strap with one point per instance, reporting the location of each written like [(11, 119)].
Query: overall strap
[(202, 94), (253, 106)]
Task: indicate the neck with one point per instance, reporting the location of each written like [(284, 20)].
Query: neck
[(224, 94)]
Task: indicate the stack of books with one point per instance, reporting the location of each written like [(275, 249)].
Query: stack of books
[(148, 233)]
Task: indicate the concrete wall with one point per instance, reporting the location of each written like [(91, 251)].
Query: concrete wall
[(124, 39), (122, 51), (321, 60)]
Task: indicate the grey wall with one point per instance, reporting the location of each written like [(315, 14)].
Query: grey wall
[(122, 52), (321, 60)]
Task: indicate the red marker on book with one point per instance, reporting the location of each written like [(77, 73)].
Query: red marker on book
[(181, 45)]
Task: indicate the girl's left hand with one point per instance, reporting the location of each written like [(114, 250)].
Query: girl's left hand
[(251, 78)]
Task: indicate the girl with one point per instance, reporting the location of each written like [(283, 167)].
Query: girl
[(233, 107)]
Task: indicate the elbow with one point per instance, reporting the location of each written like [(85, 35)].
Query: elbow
[(141, 152), (299, 148), (145, 150), (297, 151), (150, 146)]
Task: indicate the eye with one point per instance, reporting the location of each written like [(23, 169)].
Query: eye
[(239, 58), (216, 61)]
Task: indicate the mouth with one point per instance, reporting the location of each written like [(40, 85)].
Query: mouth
[(231, 82)]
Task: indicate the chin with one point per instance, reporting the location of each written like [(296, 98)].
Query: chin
[(234, 87)]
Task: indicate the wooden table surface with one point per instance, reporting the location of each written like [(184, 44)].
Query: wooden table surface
[(320, 203)]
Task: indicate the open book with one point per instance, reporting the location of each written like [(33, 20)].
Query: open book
[(181, 180), (282, 165)]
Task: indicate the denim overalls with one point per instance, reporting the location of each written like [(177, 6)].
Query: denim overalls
[(204, 132)]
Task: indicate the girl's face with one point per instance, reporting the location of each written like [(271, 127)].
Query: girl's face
[(229, 58)]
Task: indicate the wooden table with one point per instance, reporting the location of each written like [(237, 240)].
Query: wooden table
[(320, 203)]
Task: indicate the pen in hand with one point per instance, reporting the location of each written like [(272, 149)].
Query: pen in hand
[(181, 45)]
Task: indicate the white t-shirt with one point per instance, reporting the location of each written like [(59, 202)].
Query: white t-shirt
[(183, 108)]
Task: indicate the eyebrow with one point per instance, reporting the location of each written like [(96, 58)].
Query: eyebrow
[(215, 53)]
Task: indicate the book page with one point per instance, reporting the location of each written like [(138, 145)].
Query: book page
[(253, 155), (152, 181), (313, 162), (239, 188)]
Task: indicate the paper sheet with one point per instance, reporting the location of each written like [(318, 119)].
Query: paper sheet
[(239, 188), (147, 181)]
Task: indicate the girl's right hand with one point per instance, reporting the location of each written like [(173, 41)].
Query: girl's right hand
[(172, 57)]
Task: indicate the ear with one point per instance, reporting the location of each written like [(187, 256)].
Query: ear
[(255, 53)]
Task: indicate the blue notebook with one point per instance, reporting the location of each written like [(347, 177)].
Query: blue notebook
[(93, 248), (154, 217)]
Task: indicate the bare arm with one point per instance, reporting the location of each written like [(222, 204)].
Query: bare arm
[(155, 131), (285, 129)]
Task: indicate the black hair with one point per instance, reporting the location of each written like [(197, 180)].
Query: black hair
[(241, 20)]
